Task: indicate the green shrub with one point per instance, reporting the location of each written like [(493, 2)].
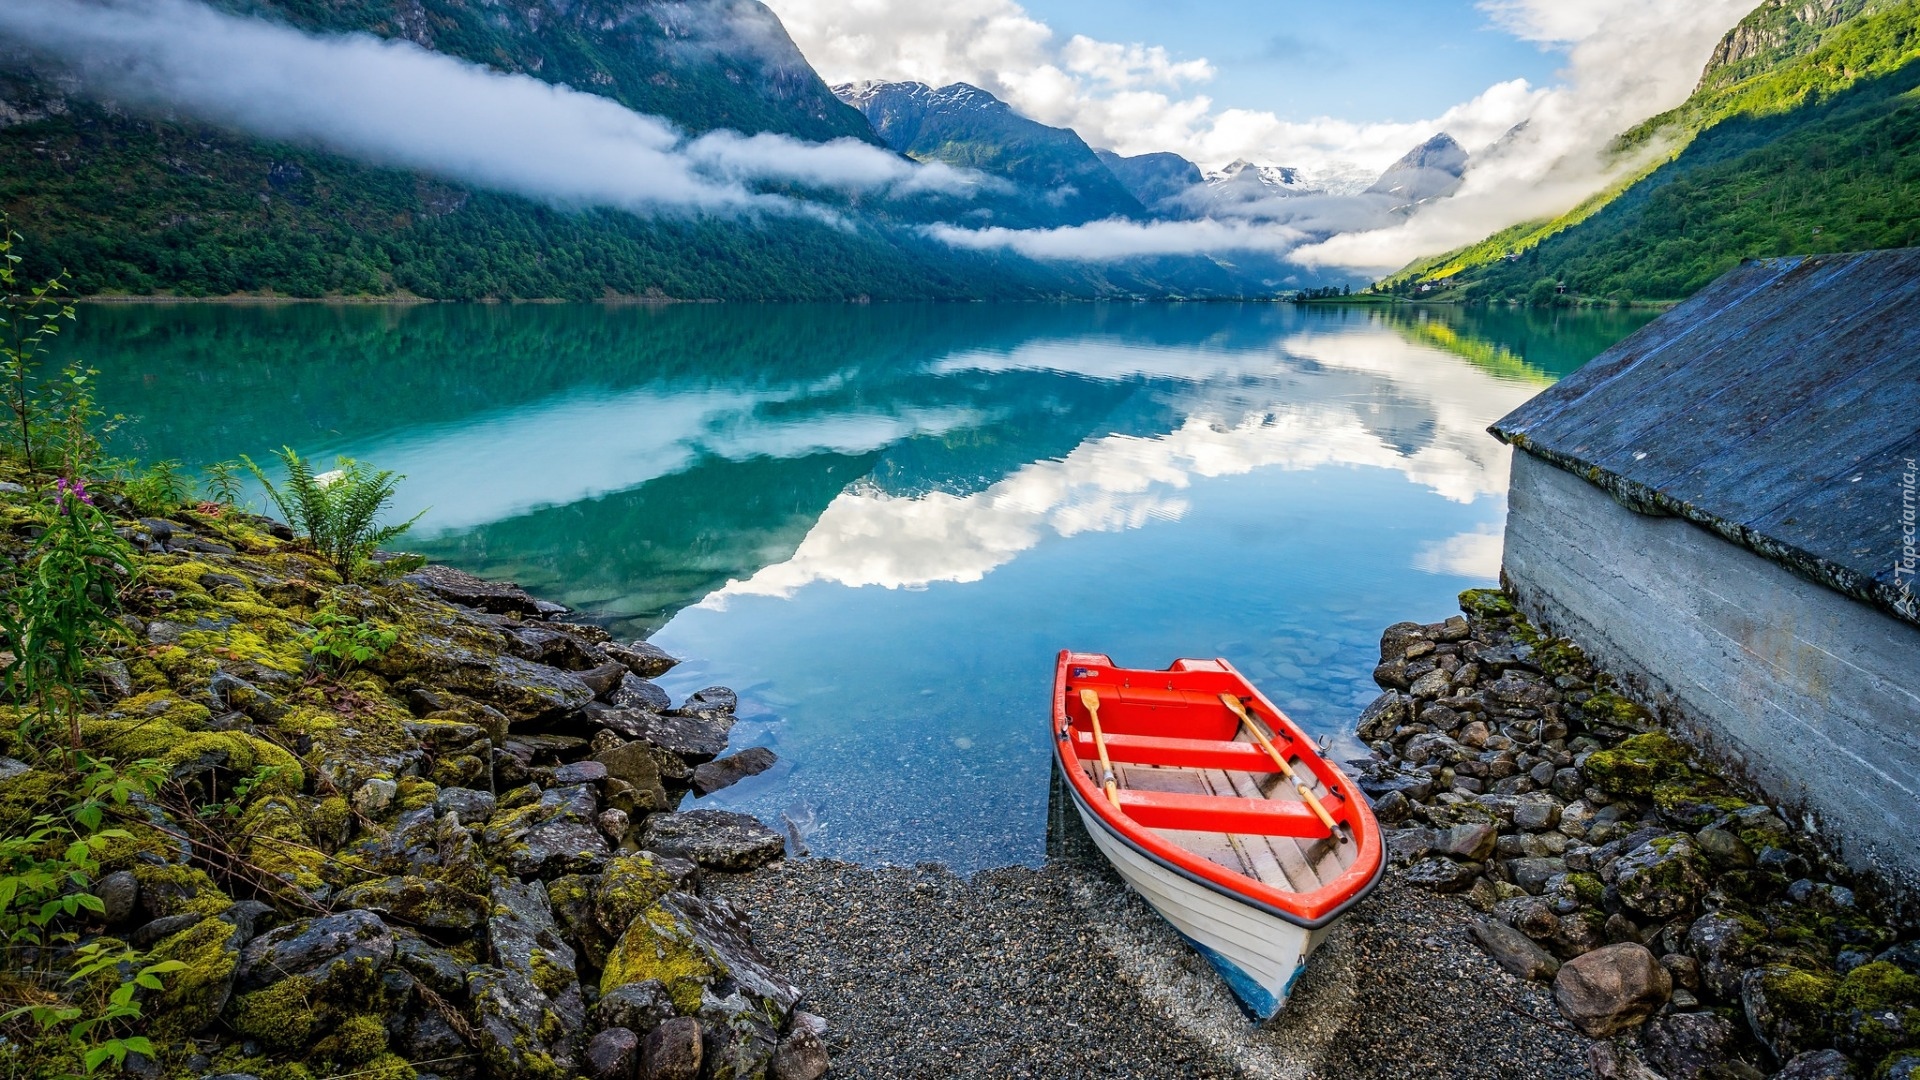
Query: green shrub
[(336, 512), (161, 488)]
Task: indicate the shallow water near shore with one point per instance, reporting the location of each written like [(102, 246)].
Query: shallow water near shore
[(879, 524)]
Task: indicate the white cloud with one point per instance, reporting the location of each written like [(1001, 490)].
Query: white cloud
[(1102, 241), (1627, 60), (396, 104)]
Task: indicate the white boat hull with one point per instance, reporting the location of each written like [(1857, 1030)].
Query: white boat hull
[(1258, 953)]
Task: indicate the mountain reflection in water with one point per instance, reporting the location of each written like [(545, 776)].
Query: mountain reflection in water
[(879, 523)]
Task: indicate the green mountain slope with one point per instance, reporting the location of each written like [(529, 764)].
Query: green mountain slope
[(1815, 154), (703, 64)]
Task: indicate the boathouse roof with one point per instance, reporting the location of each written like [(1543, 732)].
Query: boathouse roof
[(1779, 407)]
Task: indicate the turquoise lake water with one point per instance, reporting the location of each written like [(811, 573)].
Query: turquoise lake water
[(879, 524)]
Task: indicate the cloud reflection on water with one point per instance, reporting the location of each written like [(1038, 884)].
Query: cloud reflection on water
[(1315, 401)]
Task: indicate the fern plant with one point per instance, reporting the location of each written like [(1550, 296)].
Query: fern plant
[(337, 512)]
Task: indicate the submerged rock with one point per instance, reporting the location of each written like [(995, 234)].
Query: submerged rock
[(727, 771)]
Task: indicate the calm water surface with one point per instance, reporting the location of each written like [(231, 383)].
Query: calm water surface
[(879, 524)]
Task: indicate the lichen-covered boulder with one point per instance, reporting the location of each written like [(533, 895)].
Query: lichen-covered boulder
[(416, 901), (1788, 1008), (1820, 1065), (1662, 877), (1695, 1046), (546, 832), (1877, 1011), (1721, 941), (1612, 989), (694, 946), (1632, 768), (638, 1006), (716, 839), (520, 1035), (523, 938), (314, 947), (802, 1055)]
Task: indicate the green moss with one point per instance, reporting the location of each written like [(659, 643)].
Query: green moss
[(1799, 994), (329, 819), (194, 995), (1878, 985), (278, 843), (1633, 768), (176, 747), (417, 794), (386, 1067), (630, 885), (1486, 603), (1588, 888), (282, 1015), (1609, 707), (358, 1039), (179, 890), (656, 946)]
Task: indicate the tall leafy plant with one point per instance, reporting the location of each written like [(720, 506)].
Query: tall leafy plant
[(59, 612), (337, 512), (53, 424)]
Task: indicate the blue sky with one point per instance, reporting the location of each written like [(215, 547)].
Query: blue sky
[(1368, 61)]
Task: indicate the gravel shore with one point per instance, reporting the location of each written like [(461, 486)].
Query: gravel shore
[(1063, 972)]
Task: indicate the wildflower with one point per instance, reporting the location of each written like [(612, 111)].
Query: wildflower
[(64, 489)]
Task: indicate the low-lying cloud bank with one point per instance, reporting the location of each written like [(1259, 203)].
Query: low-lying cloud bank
[(395, 104), (1626, 60), (1105, 241)]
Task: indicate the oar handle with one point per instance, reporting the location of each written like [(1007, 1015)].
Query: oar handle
[(1091, 700), (1286, 770)]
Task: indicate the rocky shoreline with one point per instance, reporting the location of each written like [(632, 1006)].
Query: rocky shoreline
[(1679, 919), (455, 856), (460, 858)]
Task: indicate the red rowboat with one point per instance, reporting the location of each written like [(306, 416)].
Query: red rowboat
[(1250, 844)]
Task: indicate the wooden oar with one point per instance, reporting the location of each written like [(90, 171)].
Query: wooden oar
[(1286, 770), (1092, 701)]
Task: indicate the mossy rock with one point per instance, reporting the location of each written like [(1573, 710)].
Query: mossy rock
[(1633, 768), (1877, 1011), (1487, 604), (356, 1041), (185, 751), (657, 945), (179, 890), (195, 995), (282, 1016), (1790, 1009)]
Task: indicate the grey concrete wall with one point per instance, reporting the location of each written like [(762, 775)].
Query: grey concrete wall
[(1811, 696)]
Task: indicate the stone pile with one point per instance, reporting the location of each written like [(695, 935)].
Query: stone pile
[(458, 860), (1680, 920)]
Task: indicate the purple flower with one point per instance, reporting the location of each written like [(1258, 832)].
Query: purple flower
[(76, 489)]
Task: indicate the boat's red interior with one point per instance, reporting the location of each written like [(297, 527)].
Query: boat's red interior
[(1175, 718)]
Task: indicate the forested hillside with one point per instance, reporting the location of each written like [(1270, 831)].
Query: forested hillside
[(133, 203), (1816, 153)]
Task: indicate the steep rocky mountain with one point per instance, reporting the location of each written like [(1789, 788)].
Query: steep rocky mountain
[(1153, 179), (1776, 31), (1060, 180), (1818, 152), (1431, 170)]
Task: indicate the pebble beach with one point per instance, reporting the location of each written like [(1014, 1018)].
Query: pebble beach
[(1062, 972)]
